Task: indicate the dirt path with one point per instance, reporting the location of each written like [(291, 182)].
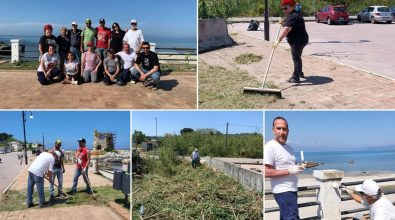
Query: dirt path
[(328, 85)]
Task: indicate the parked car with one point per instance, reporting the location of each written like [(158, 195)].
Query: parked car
[(393, 12), (332, 14), (375, 14)]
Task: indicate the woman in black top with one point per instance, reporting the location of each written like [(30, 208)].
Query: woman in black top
[(116, 37), (297, 37)]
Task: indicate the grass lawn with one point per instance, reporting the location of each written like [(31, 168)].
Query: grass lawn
[(16, 200), (221, 88), (193, 194)]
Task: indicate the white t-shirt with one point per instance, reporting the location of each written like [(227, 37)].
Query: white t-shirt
[(128, 59), (47, 61), (195, 155), (71, 68), (134, 39), (42, 164), (382, 209), (281, 157)]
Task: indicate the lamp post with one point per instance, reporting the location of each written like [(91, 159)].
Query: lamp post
[(24, 132), (266, 22), (156, 129)]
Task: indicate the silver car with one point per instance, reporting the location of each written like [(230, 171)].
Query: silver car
[(375, 14)]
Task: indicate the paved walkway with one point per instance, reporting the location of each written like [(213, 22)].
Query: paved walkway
[(10, 167), (21, 90), (328, 85)]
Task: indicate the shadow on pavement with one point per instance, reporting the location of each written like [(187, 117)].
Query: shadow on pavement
[(168, 85), (311, 80)]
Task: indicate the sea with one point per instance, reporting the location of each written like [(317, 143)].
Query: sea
[(163, 45), (367, 162)]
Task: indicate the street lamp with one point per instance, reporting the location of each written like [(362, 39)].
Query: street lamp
[(24, 131), (156, 129)]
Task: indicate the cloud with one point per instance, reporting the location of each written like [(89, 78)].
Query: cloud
[(28, 28)]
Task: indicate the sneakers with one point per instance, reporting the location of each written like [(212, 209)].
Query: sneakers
[(155, 87), (52, 198), (74, 82), (145, 83), (293, 80), (71, 192), (133, 82), (30, 205)]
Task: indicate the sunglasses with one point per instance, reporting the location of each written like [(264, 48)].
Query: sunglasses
[(133, 23), (145, 48), (284, 8)]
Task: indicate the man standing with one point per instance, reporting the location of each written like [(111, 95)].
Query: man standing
[(195, 158), (41, 166), (134, 37), (58, 170), (372, 197), (103, 36), (75, 41), (280, 166), (128, 57), (149, 69), (83, 159), (87, 35)]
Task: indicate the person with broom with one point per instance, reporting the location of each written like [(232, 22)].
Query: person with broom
[(83, 159), (297, 37)]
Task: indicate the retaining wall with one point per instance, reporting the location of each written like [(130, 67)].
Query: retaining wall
[(213, 34), (248, 178)]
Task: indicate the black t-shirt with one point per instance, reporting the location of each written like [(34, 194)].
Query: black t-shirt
[(64, 43), (58, 161), (148, 61), (116, 42), (298, 34), (45, 41), (75, 38)]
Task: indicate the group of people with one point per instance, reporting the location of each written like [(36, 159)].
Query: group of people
[(49, 165), (282, 169), (95, 54)]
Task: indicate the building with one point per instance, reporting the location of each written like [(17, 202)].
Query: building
[(15, 146), (104, 140)]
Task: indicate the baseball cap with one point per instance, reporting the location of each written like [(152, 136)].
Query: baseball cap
[(89, 44), (369, 187), (133, 21), (102, 20), (288, 2), (82, 140), (73, 23), (88, 20), (58, 153), (58, 142)]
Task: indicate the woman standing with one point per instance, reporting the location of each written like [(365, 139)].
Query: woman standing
[(47, 69), (90, 63), (297, 37), (116, 37), (64, 47)]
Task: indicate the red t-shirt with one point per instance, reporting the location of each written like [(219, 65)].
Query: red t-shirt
[(103, 35), (83, 155)]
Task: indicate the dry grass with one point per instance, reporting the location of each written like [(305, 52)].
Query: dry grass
[(247, 58), (221, 88)]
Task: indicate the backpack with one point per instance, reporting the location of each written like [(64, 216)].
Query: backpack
[(254, 24)]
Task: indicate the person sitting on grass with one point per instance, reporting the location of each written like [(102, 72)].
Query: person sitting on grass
[(149, 70), (71, 70), (47, 71), (112, 69)]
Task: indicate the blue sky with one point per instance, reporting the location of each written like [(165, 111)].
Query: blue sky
[(171, 122), (69, 126), (170, 18), (335, 130)]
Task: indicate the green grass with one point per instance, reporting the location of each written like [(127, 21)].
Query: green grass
[(178, 67), (193, 194), (247, 58), (16, 200), (23, 65), (221, 88)]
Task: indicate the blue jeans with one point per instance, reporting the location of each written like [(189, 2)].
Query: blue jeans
[(103, 54), (77, 174), (39, 181), (136, 74), (41, 76), (288, 203), (77, 54), (194, 164), (58, 173)]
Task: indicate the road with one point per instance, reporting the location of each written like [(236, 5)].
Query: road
[(364, 46), (10, 167)]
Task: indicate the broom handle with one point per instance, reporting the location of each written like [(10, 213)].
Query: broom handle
[(89, 183), (271, 56), (57, 186)]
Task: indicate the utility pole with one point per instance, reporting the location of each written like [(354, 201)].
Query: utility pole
[(24, 135), (43, 144), (226, 136), (266, 22), (156, 129)]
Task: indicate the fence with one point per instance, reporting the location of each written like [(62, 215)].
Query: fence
[(17, 51), (328, 198)]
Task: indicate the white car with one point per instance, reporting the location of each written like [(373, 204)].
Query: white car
[(375, 14)]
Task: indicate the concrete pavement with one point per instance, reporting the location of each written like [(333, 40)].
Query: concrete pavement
[(10, 167)]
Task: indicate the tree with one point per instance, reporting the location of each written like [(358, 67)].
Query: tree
[(5, 137), (138, 136), (186, 130)]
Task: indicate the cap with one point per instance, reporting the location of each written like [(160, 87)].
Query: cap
[(58, 153), (48, 27), (133, 21), (369, 187), (73, 23), (102, 20), (111, 51), (88, 20), (89, 44), (82, 140), (58, 142), (288, 2)]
